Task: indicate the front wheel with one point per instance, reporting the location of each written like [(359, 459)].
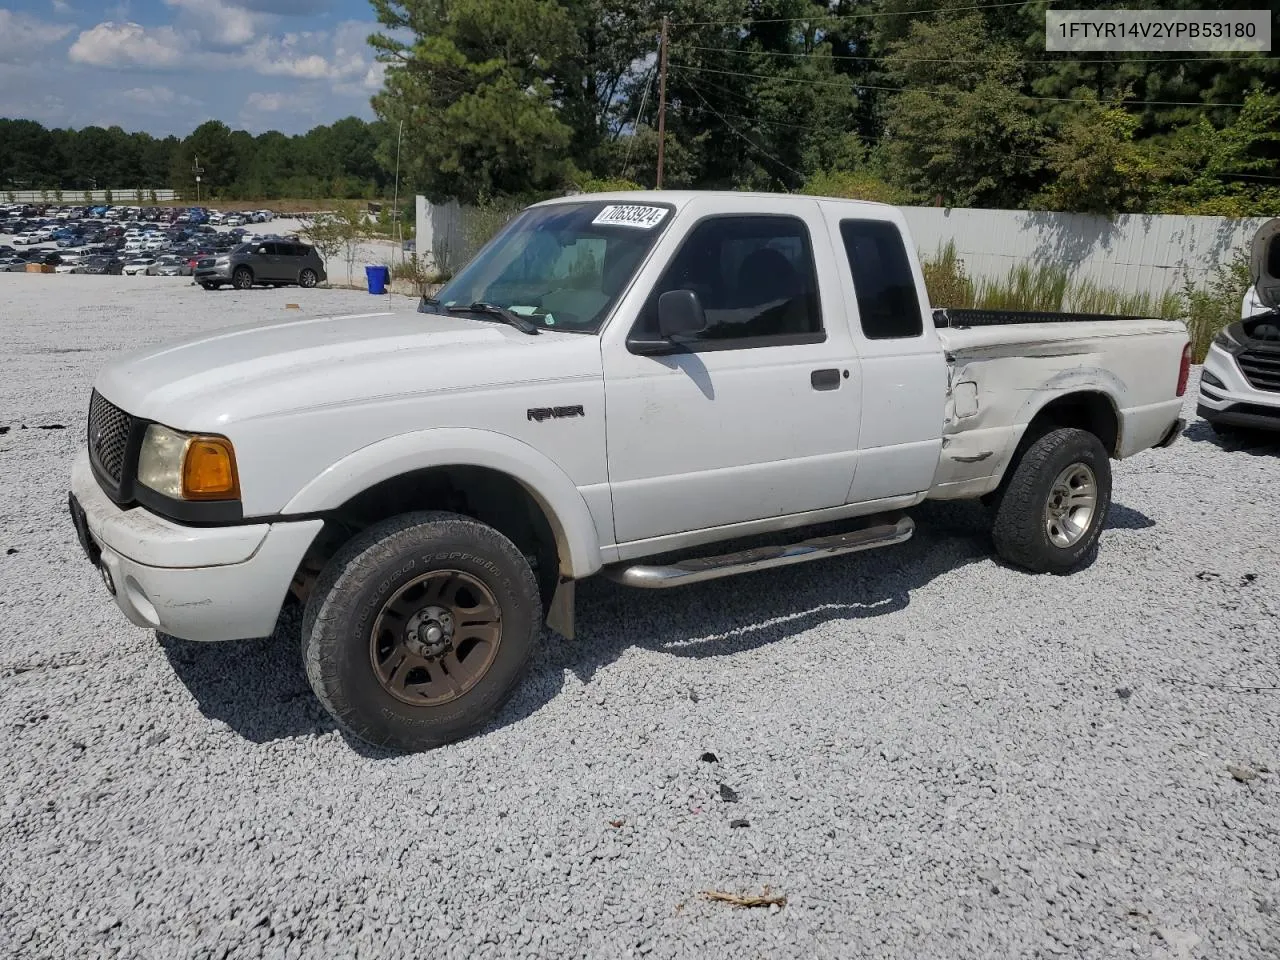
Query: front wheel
[(1052, 510), (307, 278), (419, 629), (242, 279)]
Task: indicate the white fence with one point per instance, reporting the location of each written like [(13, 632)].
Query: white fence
[(1132, 253), (125, 195), (441, 237)]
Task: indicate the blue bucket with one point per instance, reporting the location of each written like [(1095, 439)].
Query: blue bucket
[(378, 276)]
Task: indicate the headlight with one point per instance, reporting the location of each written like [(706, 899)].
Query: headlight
[(1225, 340), (222, 262), (188, 467)]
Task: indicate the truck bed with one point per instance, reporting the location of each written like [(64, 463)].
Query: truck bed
[(1004, 366)]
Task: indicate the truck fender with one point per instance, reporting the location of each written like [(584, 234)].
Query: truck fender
[(1073, 380), (550, 486)]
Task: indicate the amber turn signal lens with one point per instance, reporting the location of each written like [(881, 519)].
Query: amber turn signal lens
[(209, 471)]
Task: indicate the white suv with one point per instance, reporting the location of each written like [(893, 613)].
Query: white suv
[(1240, 383)]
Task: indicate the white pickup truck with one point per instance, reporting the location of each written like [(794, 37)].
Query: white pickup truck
[(613, 379)]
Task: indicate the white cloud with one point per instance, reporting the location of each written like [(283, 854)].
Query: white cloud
[(60, 6), (218, 24), (22, 36), (122, 45)]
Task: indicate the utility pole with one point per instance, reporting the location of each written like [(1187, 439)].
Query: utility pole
[(662, 97), (197, 170), (395, 203)]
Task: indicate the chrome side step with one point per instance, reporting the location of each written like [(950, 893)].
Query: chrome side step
[(762, 558)]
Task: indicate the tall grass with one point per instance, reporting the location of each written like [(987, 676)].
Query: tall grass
[(1205, 308)]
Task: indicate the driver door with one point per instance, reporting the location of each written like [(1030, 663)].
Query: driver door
[(759, 417)]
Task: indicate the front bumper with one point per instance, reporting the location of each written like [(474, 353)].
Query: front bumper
[(196, 583), (1235, 402), (213, 273)]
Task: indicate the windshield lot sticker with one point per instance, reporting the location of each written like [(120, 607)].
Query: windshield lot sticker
[(631, 215)]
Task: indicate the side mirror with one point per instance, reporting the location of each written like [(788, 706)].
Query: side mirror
[(680, 314)]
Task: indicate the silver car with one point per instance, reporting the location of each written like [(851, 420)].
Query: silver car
[(169, 267)]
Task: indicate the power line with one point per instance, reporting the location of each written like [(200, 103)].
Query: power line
[(648, 84), (751, 143), (841, 56), (857, 85), (850, 16)]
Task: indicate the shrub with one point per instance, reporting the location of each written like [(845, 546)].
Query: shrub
[(1210, 306), (945, 279)]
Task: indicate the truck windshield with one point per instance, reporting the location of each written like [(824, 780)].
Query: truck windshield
[(562, 266)]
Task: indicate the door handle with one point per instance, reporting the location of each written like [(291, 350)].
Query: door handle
[(825, 379)]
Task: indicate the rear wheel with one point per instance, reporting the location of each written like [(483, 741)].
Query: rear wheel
[(419, 629), (242, 279), (307, 278), (1051, 511)]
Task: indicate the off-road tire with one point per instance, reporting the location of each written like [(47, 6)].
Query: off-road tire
[(350, 594), (1020, 532), (242, 279)]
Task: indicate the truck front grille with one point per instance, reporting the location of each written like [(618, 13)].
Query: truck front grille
[(1262, 370), (109, 428)]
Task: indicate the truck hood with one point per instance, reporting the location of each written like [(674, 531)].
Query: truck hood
[(261, 370)]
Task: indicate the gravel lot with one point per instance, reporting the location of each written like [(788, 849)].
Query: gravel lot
[(934, 755)]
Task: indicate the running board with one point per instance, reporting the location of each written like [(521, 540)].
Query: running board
[(762, 558)]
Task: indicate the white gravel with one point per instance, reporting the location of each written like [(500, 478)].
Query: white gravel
[(937, 756)]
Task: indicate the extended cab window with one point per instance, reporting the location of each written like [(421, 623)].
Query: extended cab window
[(882, 281), (754, 276)]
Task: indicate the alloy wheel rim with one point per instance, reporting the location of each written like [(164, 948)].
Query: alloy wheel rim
[(435, 638), (1071, 505)]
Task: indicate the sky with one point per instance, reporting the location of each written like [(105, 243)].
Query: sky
[(166, 66)]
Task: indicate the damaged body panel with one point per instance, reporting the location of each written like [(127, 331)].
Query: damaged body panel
[(1003, 376)]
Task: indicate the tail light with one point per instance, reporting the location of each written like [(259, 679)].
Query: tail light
[(1184, 369)]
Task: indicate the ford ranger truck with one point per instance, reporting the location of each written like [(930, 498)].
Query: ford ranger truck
[(613, 385), (1240, 381)]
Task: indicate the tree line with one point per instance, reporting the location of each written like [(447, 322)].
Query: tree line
[(908, 101), (911, 101), (337, 160)]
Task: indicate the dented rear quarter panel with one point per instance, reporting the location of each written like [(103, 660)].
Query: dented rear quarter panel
[(1001, 377)]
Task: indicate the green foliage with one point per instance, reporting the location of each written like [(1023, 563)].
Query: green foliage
[(475, 88), (1200, 163), (336, 160), (961, 128), (424, 276), (1095, 164), (1214, 304), (855, 185), (1038, 286), (945, 279), (606, 185)]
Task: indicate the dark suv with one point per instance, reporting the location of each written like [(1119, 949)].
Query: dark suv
[(269, 262)]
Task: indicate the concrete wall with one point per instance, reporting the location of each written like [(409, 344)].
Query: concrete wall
[(1133, 253), (125, 196), (441, 237)]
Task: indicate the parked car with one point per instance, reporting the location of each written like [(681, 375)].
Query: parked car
[(724, 365), (101, 265), (272, 263), (12, 265), (169, 267), (26, 240), (138, 266), (1240, 382)]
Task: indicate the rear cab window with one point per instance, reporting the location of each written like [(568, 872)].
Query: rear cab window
[(888, 304)]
